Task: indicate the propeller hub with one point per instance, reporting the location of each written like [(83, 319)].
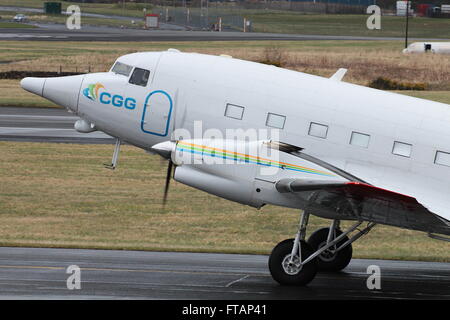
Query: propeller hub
[(164, 149)]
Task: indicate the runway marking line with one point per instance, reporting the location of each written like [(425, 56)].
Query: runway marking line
[(31, 267), (137, 270), (236, 281)]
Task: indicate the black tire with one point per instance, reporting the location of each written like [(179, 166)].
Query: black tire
[(328, 261), (281, 252)]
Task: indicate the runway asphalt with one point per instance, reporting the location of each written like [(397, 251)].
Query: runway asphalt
[(39, 273), (58, 32), (44, 125), (90, 33)]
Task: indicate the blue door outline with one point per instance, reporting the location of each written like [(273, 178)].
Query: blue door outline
[(168, 117)]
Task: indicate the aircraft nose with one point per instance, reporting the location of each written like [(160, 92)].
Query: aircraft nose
[(63, 91), (33, 85)]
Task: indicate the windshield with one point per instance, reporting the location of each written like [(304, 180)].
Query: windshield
[(122, 68), (139, 77)]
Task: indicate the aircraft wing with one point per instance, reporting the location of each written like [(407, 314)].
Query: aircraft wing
[(360, 201)]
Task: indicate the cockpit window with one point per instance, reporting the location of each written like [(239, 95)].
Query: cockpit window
[(122, 68), (140, 77)]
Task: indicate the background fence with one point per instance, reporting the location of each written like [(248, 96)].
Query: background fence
[(202, 18), (232, 17)]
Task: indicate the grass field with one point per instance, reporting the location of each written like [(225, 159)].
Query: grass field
[(15, 25), (439, 96), (366, 61), (61, 19), (129, 9), (348, 24), (59, 195), (11, 94)]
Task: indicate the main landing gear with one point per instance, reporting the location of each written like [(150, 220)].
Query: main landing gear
[(296, 262)]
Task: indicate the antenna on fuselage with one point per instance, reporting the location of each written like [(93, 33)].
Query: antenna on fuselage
[(338, 75)]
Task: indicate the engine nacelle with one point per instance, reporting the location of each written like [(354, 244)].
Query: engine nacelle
[(229, 187), (83, 126), (241, 171)]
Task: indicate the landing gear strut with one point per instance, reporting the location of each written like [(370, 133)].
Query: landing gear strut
[(286, 262), (296, 262), (331, 259)]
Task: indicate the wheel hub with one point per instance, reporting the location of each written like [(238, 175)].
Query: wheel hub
[(292, 267), (329, 254)]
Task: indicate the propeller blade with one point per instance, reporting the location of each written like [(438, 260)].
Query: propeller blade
[(168, 176)]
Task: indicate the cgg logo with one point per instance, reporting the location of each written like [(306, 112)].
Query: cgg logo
[(92, 90), (117, 100)]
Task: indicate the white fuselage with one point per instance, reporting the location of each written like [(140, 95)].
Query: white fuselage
[(186, 87)]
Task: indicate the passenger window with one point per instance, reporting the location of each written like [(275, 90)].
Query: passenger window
[(234, 111), (318, 130), (122, 68), (360, 139), (402, 149), (275, 120), (442, 158), (140, 77)]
